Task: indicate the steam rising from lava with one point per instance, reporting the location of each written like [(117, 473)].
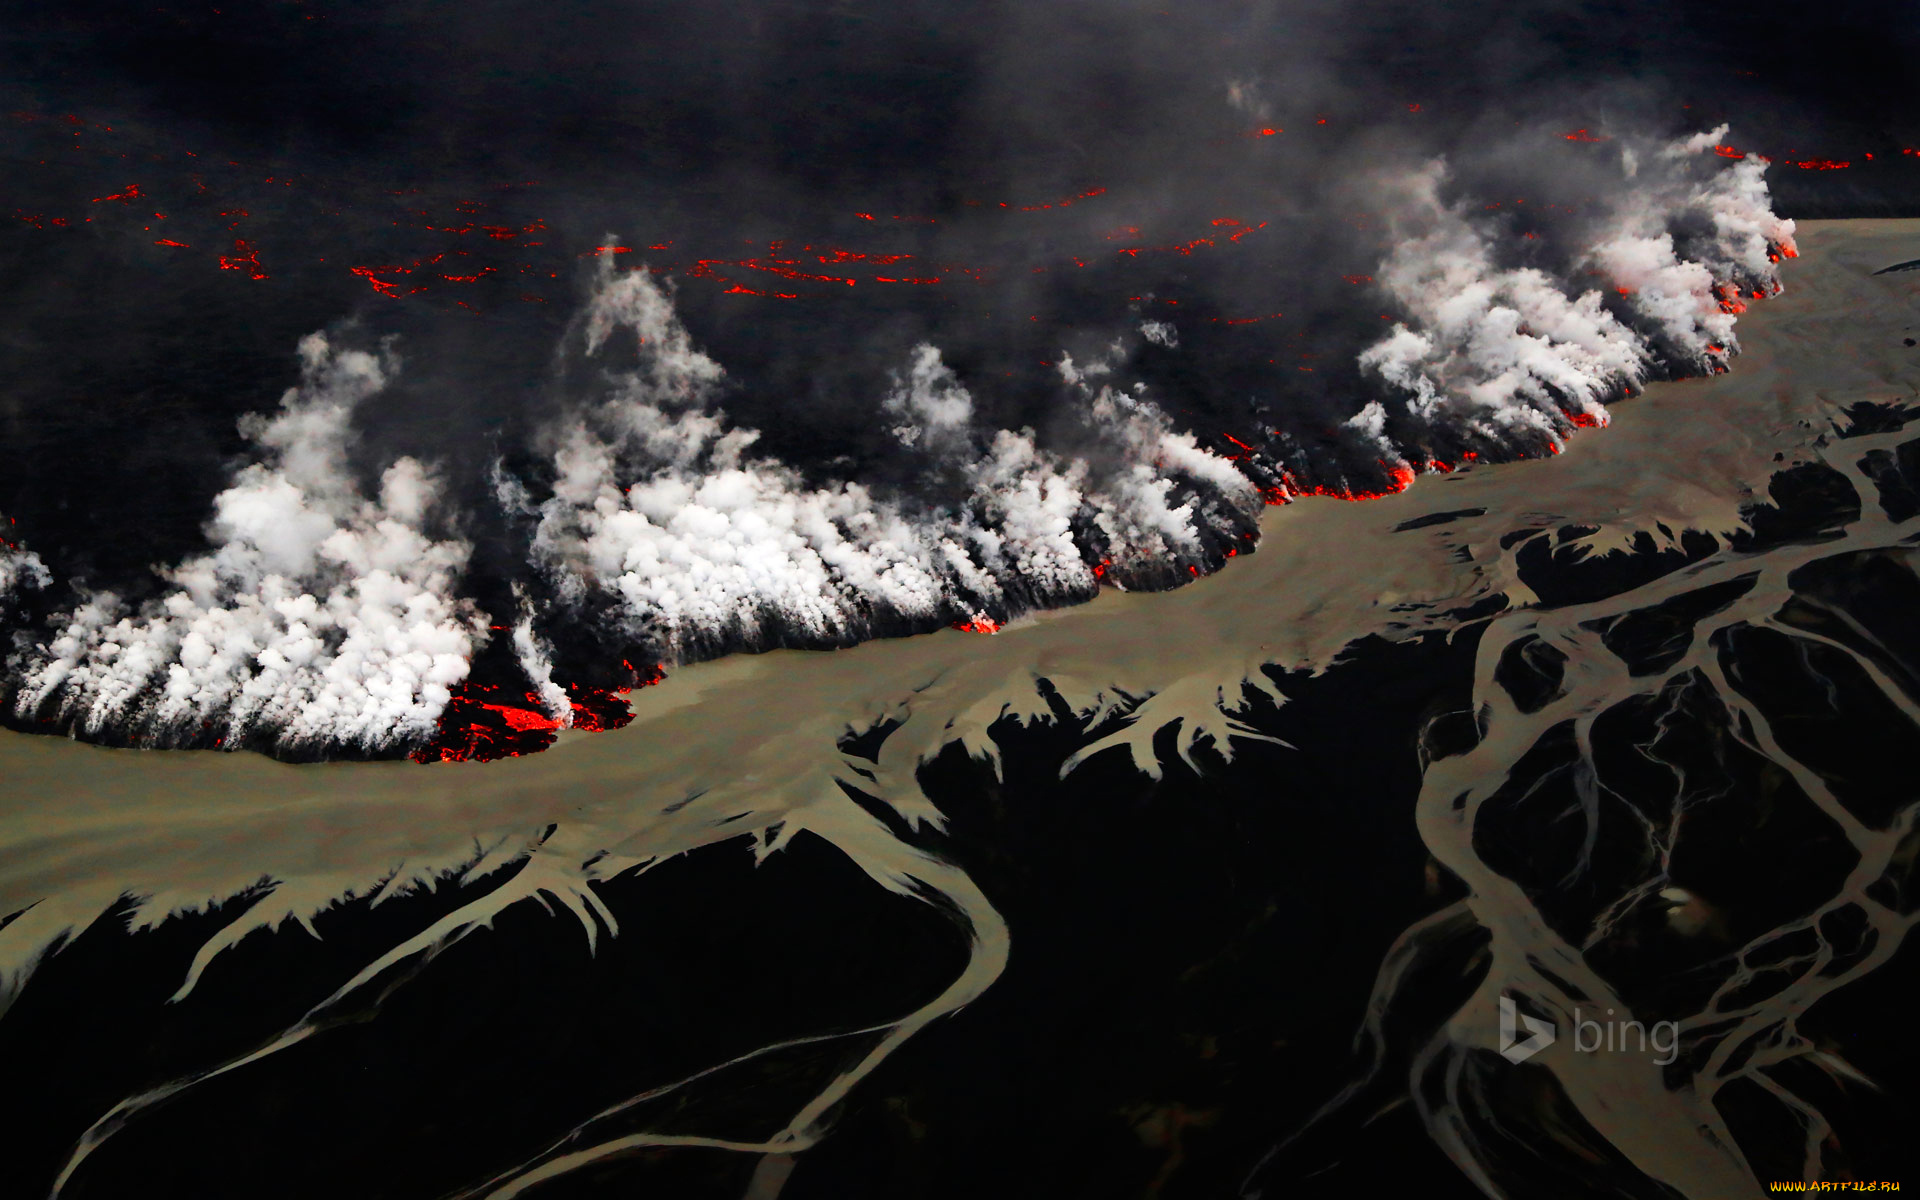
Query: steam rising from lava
[(325, 621), (1504, 351), (709, 548), (321, 617), (19, 571)]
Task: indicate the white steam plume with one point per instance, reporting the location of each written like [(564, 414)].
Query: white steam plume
[(1687, 291), (659, 504), (321, 618), (1498, 351), (535, 656), (20, 570)]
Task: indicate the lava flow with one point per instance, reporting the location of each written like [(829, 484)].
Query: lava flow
[(484, 722)]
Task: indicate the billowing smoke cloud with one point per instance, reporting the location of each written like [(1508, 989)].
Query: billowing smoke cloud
[(1496, 349), (1503, 352), (1686, 251), (321, 620), (650, 520), (659, 503), (20, 571)]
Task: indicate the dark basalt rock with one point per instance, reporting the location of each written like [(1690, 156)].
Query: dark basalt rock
[(1653, 639), (1439, 518), (1531, 671), (1896, 475), (1559, 577), (1810, 503)]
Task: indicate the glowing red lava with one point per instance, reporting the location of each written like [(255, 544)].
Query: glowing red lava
[(482, 722), (244, 258), (372, 276), (1399, 478), (1070, 200), (522, 720)]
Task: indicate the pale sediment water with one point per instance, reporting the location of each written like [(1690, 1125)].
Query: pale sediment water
[(1709, 566)]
